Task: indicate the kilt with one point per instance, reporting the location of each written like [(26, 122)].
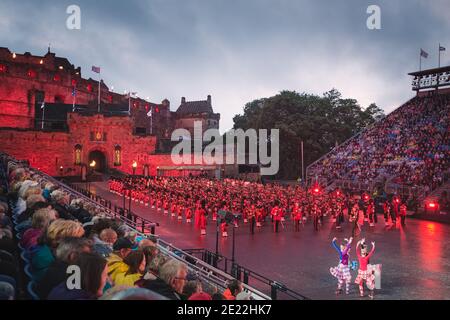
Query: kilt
[(368, 276), (341, 272)]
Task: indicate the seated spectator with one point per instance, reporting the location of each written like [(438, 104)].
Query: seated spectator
[(77, 209), (60, 204), (40, 221), (233, 289), (155, 261), (6, 241), (146, 243), (200, 296), (42, 255), (103, 244), (192, 287), (136, 268), (116, 265), (66, 254), (131, 294), (217, 296), (171, 281), (244, 296), (7, 291), (5, 221), (33, 203), (94, 274)]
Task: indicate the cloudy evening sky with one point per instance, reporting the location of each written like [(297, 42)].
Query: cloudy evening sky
[(238, 51)]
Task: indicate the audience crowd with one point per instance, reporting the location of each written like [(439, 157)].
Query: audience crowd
[(411, 146), (70, 249)]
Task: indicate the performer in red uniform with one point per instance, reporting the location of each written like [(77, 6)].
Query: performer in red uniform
[(297, 216), (203, 216), (223, 229), (276, 217), (403, 210), (371, 212)]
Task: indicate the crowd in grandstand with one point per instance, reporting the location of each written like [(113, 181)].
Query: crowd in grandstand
[(411, 146), (46, 234)]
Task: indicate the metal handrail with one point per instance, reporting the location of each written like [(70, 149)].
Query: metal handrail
[(247, 273)]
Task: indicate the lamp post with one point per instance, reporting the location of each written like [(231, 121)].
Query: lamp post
[(134, 166), (92, 167)]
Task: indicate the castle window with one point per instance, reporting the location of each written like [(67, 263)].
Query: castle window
[(74, 83), (78, 150), (3, 68), (59, 98), (89, 87), (56, 77), (141, 131), (117, 156)]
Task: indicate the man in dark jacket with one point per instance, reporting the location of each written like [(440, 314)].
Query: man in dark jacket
[(171, 281), (66, 254)]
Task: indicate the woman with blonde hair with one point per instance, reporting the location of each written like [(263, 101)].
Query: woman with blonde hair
[(39, 222), (43, 255)]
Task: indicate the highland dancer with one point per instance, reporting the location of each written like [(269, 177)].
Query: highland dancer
[(342, 271), (363, 273)]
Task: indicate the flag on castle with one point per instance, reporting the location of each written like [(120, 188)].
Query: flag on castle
[(96, 69), (441, 48), (423, 53)]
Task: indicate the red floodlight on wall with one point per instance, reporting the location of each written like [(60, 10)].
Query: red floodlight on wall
[(89, 87), (56, 77), (432, 207), (31, 73), (74, 83), (157, 110), (3, 68)]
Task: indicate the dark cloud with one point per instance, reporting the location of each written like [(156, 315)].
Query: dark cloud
[(238, 50)]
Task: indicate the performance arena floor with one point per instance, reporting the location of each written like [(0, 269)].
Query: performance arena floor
[(415, 260)]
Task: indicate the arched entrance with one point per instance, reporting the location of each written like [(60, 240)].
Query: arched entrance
[(100, 161)]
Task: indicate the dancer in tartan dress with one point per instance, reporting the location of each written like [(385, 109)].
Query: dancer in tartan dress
[(363, 273), (342, 271)]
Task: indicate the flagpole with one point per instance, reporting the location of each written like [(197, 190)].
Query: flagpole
[(129, 102), (99, 79), (151, 121), (420, 61), (439, 51)]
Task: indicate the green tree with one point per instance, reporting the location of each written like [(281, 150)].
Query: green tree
[(319, 121)]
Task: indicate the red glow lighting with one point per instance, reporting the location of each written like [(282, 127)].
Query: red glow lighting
[(432, 205), (3, 68), (89, 87), (56, 77), (31, 73), (74, 82)]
